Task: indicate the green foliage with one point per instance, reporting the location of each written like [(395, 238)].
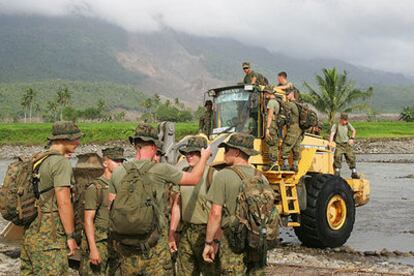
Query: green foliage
[(335, 93), (166, 112), (407, 114)]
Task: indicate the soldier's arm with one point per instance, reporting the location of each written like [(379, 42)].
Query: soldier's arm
[(254, 79), (213, 228), (193, 177), (269, 118), (90, 235), (175, 221), (333, 132), (66, 215)]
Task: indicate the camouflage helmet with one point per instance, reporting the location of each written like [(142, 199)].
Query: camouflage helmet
[(241, 141), (146, 133), (194, 143), (245, 65), (115, 153), (344, 116), (65, 130)]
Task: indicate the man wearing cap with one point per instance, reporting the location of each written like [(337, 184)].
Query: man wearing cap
[(156, 259), (251, 77), (48, 241), (294, 134), (223, 195), (95, 252), (340, 133), (192, 207), (272, 137), (206, 120)]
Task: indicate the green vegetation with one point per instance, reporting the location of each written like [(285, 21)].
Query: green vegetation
[(35, 134), (336, 93), (407, 114)]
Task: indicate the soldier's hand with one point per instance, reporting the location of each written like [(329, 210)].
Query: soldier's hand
[(206, 152), (208, 253), (94, 257), (267, 136), (351, 141), (72, 245)]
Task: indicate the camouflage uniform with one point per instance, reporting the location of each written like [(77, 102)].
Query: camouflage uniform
[(206, 122), (44, 251), (294, 134), (272, 142), (224, 192), (342, 146), (157, 259), (194, 215)]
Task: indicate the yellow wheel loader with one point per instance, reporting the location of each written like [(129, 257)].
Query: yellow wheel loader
[(319, 205)]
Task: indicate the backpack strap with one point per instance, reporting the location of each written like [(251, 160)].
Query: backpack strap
[(241, 174), (209, 179)]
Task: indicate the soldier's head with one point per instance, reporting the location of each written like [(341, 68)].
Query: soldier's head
[(246, 67), (282, 77), (145, 141), (269, 92), (238, 148), (343, 118), (208, 105), (65, 137), (112, 158), (192, 149), (290, 95)]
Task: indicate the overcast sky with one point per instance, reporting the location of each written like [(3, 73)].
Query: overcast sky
[(374, 33)]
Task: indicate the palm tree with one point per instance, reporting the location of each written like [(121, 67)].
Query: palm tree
[(28, 102), (63, 99), (336, 94), (52, 108)]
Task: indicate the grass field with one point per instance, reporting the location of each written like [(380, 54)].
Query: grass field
[(36, 134)]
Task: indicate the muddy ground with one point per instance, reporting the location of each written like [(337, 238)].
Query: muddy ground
[(382, 242)]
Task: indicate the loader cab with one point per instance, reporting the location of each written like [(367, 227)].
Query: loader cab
[(237, 109)]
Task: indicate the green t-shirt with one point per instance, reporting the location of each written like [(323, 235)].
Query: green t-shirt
[(342, 136), (226, 187), (194, 206), (273, 106), (294, 112), (248, 78), (55, 171), (161, 175), (98, 200)]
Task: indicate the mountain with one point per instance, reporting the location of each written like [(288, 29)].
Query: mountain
[(172, 64)]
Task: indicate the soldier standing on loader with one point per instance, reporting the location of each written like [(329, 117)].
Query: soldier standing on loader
[(137, 219), (224, 197), (50, 235), (294, 134), (272, 131), (287, 86), (252, 77), (340, 134), (191, 206), (95, 252), (206, 120)]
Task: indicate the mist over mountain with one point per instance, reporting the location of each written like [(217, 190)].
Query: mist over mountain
[(166, 62)]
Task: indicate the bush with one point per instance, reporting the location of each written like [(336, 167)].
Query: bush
[(407, 114)]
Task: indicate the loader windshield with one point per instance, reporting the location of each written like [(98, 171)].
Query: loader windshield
[(236, 110)]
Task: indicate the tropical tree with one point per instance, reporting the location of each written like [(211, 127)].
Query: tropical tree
[(28, 102), (336, 93), (63, 99), (52, 109)]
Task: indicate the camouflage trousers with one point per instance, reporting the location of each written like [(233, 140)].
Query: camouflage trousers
[(44, 251), (155, 261), (230, 262), (346, 150), (291, 142), (190, 251), (272, 143), (86, 268)]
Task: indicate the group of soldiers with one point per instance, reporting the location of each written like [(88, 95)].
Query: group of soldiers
[(194, 206), (340, 132)]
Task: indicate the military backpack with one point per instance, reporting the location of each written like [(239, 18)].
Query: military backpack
[(19, 195), (307, 117), (134, 216), (256, 221), (261, 80)]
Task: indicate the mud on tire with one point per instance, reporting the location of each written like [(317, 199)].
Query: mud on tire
[(315, 230)]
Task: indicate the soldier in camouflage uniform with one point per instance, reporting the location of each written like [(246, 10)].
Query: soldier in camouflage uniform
[(206, 120), (251, 77), (272, 131), (46, 241), (155, 259), (286, 85), (344, 142), (191, 206), (95, 251), (223, 195), (294, 135)]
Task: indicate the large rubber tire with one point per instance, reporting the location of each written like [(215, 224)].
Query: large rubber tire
[(314, 230)]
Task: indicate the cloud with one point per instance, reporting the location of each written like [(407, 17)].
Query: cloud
[(372, 33)]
